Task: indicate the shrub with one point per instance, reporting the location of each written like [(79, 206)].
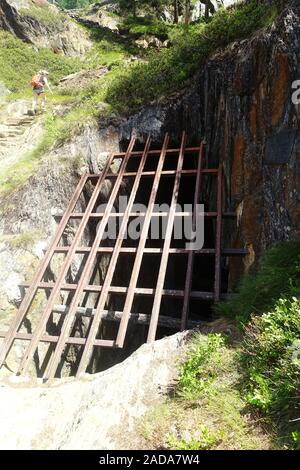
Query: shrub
[(170, 69), (19, 61), (201, 366), (278, 276), (270, 359)]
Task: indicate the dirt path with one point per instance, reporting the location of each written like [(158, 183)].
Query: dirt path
[(19, 132)]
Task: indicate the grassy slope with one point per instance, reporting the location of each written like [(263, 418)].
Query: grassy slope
[(172, 68), (19, 62), (124, 87), (208, 410), (243, 394)]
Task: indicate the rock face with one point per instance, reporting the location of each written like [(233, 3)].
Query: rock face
[(43, 25), (96, 412), (95, 17), (81, 79), (27, 218), (241, 103)]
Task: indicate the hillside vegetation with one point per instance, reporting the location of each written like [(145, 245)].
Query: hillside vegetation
[(240, 391)]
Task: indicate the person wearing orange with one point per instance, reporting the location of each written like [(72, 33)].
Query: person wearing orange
[(39, 82)]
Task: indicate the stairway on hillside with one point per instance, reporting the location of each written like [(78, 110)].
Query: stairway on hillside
[(19, 133)]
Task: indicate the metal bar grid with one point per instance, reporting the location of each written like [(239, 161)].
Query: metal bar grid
[(142, 242), (191, 255), (167, 244), (70, 312), (217, 286)]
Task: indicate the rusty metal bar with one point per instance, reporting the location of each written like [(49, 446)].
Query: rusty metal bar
[(165, 173), (139, 153), (115, 316), (140, 251), (166, 247), (153, 251), (124, 290), (61, 277), (54, 360), (96, 215), (191, 255), (25, 305), (111, 269), (217, 286), (54, 339)]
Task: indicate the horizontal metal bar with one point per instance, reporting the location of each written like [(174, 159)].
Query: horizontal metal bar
[(96, 215), (54, 339), (123, 290), (166, 173), (108, 315), (140, 318), (157, 251), (139, 153)]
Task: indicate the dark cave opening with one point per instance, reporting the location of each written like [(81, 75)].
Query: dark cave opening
[(203, 273)]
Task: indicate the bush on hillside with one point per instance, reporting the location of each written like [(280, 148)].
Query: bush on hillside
[(278, 276), (271, 362), (170, 69), (19, 62)]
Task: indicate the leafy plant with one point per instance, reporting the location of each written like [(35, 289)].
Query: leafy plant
[(277, 276), (201, 366), (170, 70), (270, 359), (204, 439), (19, 61)]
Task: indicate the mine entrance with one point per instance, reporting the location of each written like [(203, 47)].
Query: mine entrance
[(124, 274)]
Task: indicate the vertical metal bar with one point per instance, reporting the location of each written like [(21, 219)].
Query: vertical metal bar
[(191, 255), (217, 287), (88, 349), (166, 247), (25, 305), (140, 250), (85, 275), (61, 277)]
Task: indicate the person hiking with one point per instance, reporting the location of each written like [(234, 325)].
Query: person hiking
[(39, 82)]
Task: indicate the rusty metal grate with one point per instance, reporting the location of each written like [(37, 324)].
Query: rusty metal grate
[(83, 285)]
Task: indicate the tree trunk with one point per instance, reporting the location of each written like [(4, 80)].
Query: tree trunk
[(187, 12), (207, 10), (134, 8), (176, 14)]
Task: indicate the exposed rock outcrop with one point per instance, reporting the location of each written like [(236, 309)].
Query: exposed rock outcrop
[(96, 16), (81, 79), (28, 216), (96, 412), (241, 103), (43, 25)]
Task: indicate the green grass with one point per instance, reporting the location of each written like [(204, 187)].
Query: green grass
[(270, 359), (170, 70), (245, 396), (45, 15), (56, 131), (19, 62), (23, 240), (278, 276), (108, 47), (208, 410), (242, 394), (143, 26)]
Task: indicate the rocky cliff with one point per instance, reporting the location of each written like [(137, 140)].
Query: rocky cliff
[(98, 412), (43, 25), (241, 104)]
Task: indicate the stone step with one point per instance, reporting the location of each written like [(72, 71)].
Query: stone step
[(11, 133)]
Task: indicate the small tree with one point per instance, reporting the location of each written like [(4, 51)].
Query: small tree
[(187, 16)]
